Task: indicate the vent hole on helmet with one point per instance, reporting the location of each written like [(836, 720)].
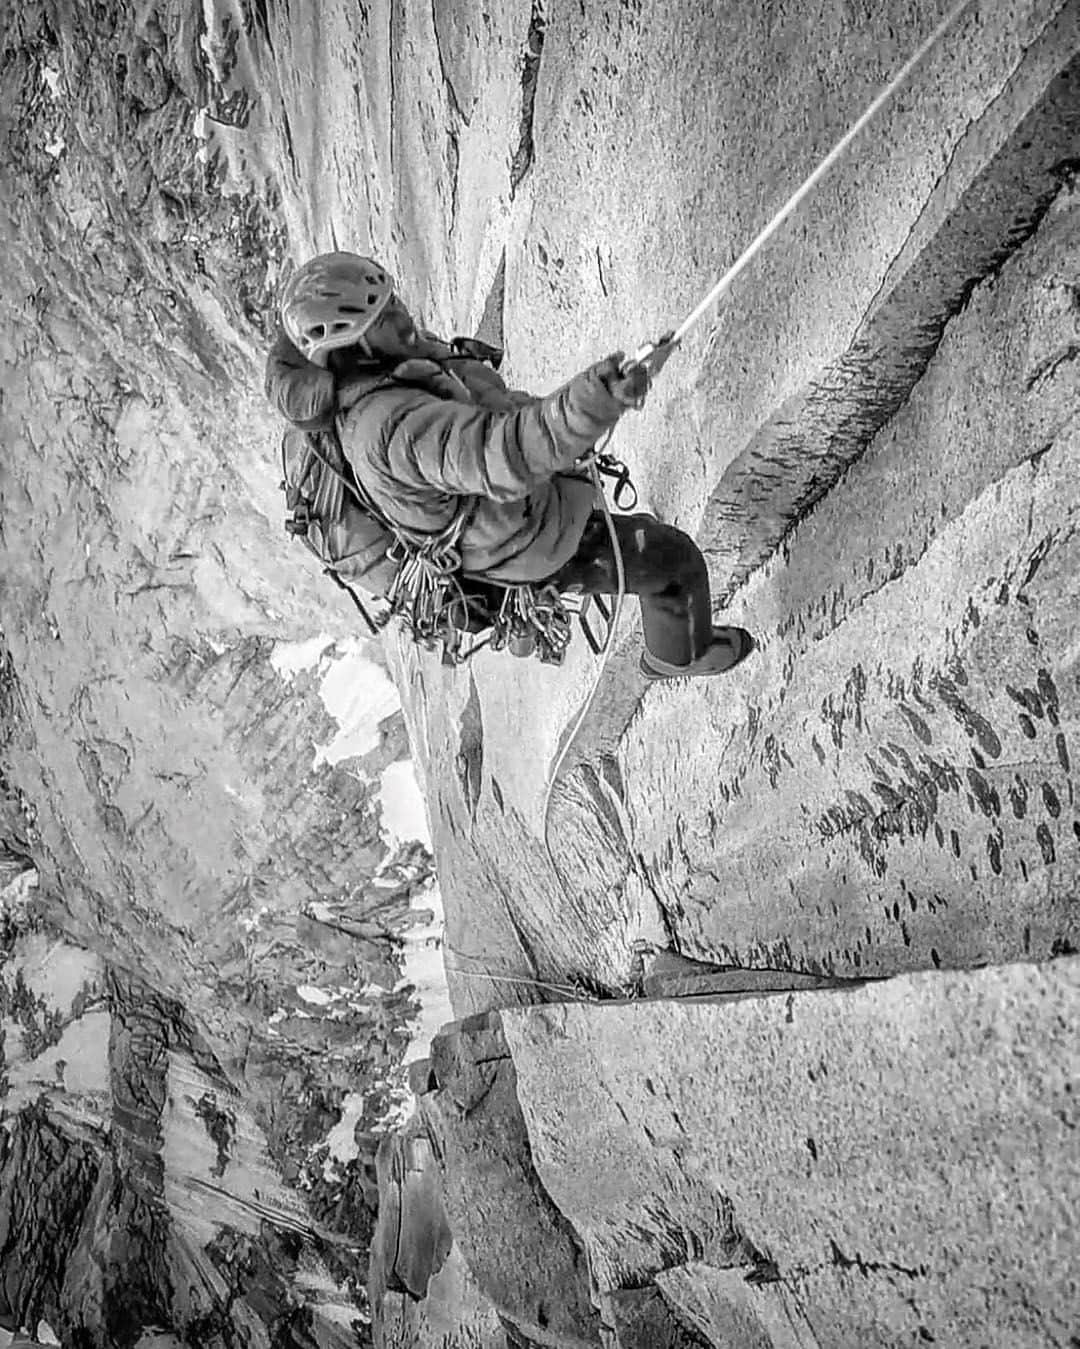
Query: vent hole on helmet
[(316, 332), (349, 309), (342, 326), (372, 298)]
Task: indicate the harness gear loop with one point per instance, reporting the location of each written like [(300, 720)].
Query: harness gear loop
[(611, 467)]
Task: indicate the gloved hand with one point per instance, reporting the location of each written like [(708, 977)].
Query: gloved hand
[(629, 388)]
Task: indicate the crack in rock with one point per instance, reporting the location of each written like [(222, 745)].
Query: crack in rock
[(530, 74), (796, 457), (455, 101)]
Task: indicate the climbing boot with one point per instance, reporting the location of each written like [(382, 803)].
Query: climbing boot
[(729, 647)]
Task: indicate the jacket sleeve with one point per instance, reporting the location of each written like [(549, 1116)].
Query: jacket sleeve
[(466, 450), (301, 391)]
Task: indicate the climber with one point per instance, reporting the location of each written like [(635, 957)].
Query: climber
[(424, 428)]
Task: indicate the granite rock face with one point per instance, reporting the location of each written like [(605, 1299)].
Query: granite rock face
[(875, 440), (887, 1165), (136, 1188), (196, 814)]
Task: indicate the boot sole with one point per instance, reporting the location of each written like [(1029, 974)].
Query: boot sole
[(746, 646)]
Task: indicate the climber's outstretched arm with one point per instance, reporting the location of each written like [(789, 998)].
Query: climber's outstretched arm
[(471, 451)]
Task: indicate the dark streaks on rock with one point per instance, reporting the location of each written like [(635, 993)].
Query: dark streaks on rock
[(1028, 699), (453, 166), (1018, 798), (1045, 841), (530, 73), (1049, 694), (987, 797), (866, 1267), (1062, 751), (1046, 370), (1037, 557), (794, 460), (455, 101), (1051, 801), (469, 759), (973, 722), (918, 726)]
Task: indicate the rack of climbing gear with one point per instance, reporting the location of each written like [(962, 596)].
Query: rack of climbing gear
[(427, 591)]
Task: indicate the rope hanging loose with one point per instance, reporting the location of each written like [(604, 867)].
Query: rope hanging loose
[(609, 639)]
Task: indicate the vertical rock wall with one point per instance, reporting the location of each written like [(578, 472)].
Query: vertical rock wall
[(875, 441)]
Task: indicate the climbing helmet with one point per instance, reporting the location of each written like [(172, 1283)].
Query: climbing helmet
[(332, 300)]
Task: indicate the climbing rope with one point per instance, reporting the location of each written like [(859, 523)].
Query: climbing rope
[(609, 639), (653, 355), (575, 991)]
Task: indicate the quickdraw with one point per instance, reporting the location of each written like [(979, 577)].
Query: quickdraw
[(610, 467)]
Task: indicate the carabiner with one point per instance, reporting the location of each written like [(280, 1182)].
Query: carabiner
[(652, 355)]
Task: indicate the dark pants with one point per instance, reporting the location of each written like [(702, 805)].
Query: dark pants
[(663, 566)]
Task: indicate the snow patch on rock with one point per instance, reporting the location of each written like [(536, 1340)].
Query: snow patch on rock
[(359, 695), (75, 1069), (318, 996), (425, 970), (57, 972), (15, 896), (401, 805), (341, 1139), (292, 658)]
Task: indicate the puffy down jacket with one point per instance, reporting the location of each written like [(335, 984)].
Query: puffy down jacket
[(436, 427)]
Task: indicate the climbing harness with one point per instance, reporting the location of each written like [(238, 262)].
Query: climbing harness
[(425, 587), (654, 355)]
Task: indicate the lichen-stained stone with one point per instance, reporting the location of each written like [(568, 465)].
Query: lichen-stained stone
[(901, 1156), (890, 782)]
